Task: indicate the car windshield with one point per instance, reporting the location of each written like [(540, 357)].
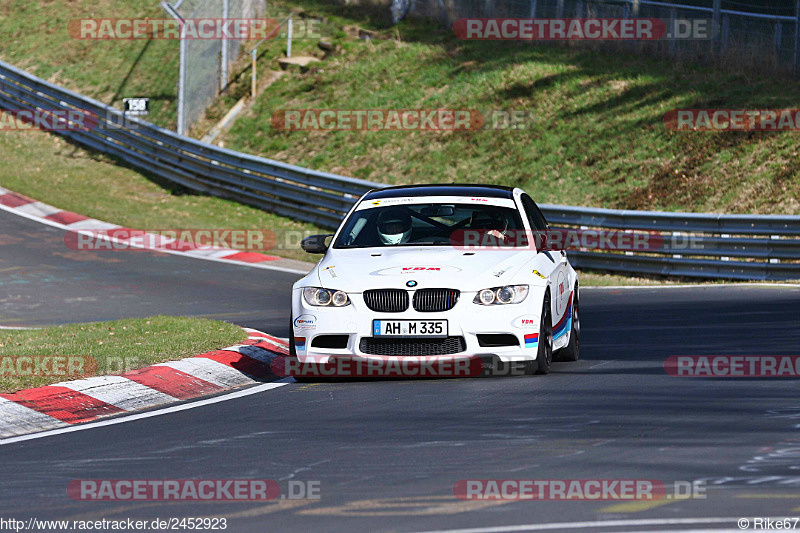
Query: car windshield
[(425, 224)]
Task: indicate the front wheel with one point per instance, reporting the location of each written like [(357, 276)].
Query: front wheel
[(571, 351), (293, 353), (292, 347), (544, 354)]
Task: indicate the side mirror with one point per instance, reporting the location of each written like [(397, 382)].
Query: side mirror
[(315, 244)]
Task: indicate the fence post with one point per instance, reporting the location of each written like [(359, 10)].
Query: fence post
[(223, 65), (635, 8), (443, 12), (253, 79), (183, 54), (560, 9), (289, 39), (796, 36), (778, 41), (181, 129), (533, 8), (673, 14), (725, 33), (579, 9), (715, 20)]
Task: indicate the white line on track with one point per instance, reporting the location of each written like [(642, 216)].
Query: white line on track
[(594, 524), (130, 418)]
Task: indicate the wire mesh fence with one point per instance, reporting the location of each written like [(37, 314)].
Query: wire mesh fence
[(753, 34), (205, 63)]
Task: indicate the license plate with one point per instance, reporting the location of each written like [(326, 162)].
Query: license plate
[(409, 328)]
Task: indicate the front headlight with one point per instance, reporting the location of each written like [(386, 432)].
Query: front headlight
[(509, 294), (320, 297)]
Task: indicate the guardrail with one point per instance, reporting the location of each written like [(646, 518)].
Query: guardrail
[(317, 197), (323, 198)]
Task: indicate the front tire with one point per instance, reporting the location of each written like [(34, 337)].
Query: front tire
[(293, 352), (571, 351), (544, 354), (292, 347)]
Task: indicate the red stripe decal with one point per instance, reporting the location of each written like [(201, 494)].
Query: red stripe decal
[(240, 362), (173, 382), (564, 316), (65, 404), (66, 217), (13, 199), (250, 257)]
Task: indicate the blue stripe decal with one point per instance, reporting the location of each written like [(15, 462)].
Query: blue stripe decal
[(565, 326)]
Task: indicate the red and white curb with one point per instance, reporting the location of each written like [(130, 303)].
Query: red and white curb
[(84, 400), (67, 220)]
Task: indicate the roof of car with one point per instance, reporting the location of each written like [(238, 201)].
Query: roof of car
[(455, 189)]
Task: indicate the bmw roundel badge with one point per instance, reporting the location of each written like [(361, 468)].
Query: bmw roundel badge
[(411, 283)]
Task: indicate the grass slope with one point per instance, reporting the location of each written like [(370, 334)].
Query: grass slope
[(595, 133), (117, 346), (49, 169), (36, 39)]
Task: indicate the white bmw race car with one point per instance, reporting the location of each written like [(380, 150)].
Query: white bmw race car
[(438, 270)]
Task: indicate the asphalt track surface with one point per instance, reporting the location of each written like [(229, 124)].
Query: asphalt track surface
[(43, 282), (386, 454)]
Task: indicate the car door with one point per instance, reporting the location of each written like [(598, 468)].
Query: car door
[(560, 291)]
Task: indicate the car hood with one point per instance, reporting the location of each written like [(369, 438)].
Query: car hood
[(356, 270)]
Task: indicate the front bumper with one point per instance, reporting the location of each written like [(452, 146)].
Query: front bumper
[(313, 327)]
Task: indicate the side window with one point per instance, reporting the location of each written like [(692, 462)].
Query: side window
[(535, 217)]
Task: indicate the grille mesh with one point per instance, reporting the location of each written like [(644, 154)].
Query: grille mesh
[(386, 300), (446, 346), (435, 300)]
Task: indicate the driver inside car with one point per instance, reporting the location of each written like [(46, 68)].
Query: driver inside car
[(394, 226), (495, 223)]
